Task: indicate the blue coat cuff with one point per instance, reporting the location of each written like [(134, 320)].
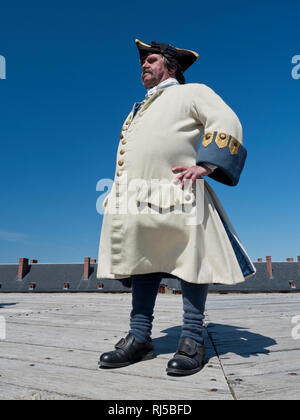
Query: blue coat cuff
[(224, 151)]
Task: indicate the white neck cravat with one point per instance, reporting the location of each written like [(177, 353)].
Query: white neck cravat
[(166, 83)]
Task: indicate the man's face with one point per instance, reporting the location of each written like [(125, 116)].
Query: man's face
[(154, 71)]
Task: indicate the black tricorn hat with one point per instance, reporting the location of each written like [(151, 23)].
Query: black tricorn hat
[(184, 57)]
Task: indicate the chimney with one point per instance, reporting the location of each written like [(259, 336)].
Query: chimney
[(33, 261), (269, 265), (290, 259), (86, 269), (93, 261), (259, 260), (298, 262), (23, 267)]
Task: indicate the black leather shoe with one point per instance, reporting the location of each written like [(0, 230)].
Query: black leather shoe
[(188, 359), (128, 351)]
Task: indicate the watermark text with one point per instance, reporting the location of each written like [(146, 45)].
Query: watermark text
[(296, 68), (296, 329), (155, 197), (2, 328), (2, 67)]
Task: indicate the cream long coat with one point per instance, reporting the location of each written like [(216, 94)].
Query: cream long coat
[(153, 236)]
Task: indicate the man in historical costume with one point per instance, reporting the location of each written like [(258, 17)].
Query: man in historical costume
[(179, 133)]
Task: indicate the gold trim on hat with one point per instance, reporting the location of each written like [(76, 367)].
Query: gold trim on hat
[(142, 43), (193, 52), (137, 41)]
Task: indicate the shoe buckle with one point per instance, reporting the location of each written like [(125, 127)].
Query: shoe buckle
[(186, 349), (183, 353), (121, 344)]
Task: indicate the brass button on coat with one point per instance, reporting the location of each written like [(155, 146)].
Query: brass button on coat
[(122, 151), (121, 162), (124, 141)]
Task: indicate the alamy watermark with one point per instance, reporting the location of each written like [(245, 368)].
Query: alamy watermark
[(296, 329), (2, 328), (2, 67), (296, 68), (152, 197)]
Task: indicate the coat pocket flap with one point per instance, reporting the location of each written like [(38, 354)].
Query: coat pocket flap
[(163, 195)]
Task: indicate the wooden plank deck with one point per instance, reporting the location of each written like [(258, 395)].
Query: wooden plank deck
[(53, 342)]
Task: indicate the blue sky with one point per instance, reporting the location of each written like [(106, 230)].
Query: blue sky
[(72, 77)]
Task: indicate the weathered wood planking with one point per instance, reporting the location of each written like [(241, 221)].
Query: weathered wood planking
[(54, 341)]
